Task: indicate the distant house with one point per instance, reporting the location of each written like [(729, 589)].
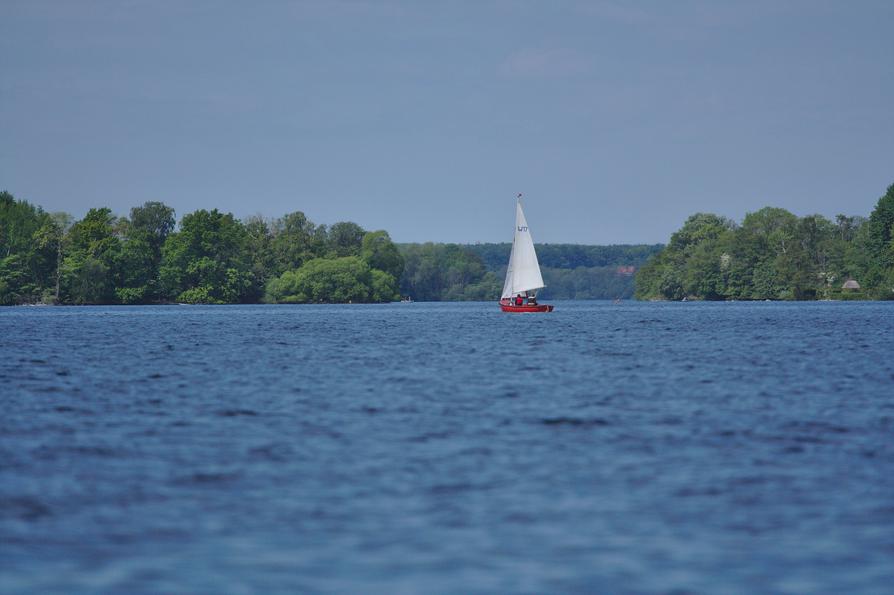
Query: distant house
[(626, 271), (850, 284)]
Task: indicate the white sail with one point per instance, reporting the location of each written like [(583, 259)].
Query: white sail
[(523, 273)]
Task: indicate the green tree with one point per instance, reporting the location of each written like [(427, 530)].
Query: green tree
[(346, 239), (705, 269), (87, 280), (775, 255), (89, 267), (15, 286), (152, 222), (877, 246), (259, 253), (694, 264), (140, 257), (19, 220), (881, 223), (205, 262), (462, 270), (57, 237), (435, 272), (762, 255), (380, 253), (295, 240), (137, 268), (698, 229), (347, 279), (648, 277), (27, 251), (821, 256), (382, 287)]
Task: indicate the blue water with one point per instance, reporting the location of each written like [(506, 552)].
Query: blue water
[(643, 448)]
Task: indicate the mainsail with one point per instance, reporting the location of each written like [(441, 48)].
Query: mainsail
[(523, 273)]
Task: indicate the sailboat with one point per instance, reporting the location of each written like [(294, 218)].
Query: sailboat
[(523, 277)]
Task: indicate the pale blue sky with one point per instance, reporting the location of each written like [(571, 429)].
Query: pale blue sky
[(615, 119)]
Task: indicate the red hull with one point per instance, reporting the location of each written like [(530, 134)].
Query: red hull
[(505, 306)]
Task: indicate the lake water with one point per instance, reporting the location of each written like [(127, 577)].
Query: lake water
[(634, 447)]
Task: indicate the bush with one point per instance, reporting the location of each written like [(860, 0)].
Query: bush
[(338, 280)]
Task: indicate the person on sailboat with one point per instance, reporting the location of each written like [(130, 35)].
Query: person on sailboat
[(532, 299), (519, 300)]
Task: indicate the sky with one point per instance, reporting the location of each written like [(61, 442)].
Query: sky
[(616, 120)]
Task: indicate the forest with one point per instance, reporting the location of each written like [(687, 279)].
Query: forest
[(462, 272), (576, 271), (211, 258), (775, 255), (215, 258)]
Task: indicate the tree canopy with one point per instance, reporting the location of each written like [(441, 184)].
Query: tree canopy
[(436, 272), (211, 257), (28, 245), (775, 255), (573, 271), (341, 280)]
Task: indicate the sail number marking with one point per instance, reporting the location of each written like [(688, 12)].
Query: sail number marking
[(523, 228)]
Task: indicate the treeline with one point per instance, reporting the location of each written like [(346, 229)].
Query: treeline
[(587, 283), (446, 272), (575, 271), (211, 257), (775, 255), (571, 256), (451, 272)]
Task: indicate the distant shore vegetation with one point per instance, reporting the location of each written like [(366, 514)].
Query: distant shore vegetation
[(214, 258), (461, 272), (576, 271), (775, 255), (211, 258)]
